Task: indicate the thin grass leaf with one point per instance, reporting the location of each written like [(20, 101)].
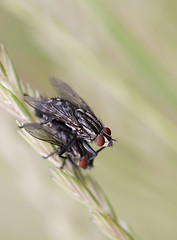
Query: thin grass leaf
[(77, 183), (10, 71)]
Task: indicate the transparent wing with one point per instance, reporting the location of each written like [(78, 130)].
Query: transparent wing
[(42, 132), (52, 107), (42, 104), (67, 93)]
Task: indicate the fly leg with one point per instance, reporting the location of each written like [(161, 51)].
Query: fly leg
[(91, 160), (63, 163), (51, 154), (62, 151), (100, 150), (70, 160), (72, 163), (92, 151), (67, 146)]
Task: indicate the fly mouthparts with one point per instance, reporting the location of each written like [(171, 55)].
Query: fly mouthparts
[(110, 144)]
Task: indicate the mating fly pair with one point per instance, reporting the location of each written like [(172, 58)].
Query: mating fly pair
[(69, 123)]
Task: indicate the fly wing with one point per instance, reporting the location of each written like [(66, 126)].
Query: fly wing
[(55, 108), (43, 133), (67, 93), (42, 104)]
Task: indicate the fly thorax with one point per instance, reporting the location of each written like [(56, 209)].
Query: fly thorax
[(88, 125), (63, 106)]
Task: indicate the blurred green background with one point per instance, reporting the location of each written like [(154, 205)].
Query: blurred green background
[(120, 56)]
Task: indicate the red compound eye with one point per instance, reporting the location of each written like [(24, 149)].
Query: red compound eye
[(83, 162), (107, 131), (100, 141)]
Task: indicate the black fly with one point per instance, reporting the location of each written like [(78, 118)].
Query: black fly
[(69, 123)]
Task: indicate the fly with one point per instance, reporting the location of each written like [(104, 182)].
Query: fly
[(71, 111)]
